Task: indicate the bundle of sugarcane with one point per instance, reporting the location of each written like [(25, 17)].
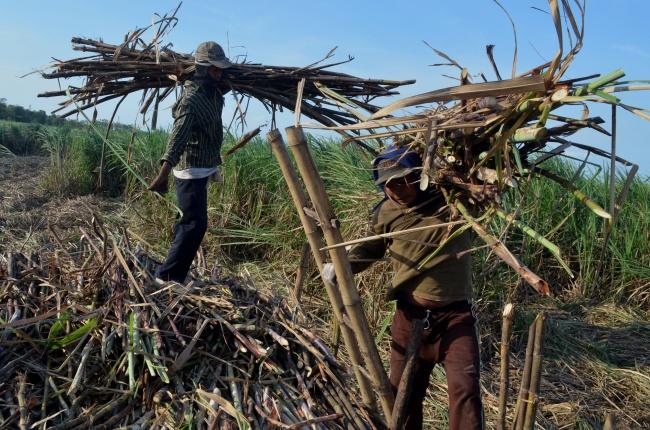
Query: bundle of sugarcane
[(115, 71), (481, 140), (88, 341)]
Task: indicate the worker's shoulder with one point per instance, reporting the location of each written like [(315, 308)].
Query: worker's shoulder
[(377, 207), (189, 101), (381, 211), (183, 105), (192, 95)]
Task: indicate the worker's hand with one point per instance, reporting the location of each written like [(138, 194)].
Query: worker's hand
[(161, 183), (329, 274)]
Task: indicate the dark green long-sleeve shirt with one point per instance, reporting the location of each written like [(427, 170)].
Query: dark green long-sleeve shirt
[(446, 277), (197, 133)]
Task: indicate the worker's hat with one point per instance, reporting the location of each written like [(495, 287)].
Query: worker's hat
[(395, 162), (211, 54)]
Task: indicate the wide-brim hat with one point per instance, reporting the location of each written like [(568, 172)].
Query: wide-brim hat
[(211, 54)]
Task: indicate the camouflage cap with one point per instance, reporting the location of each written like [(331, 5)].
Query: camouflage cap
[(211, 54)]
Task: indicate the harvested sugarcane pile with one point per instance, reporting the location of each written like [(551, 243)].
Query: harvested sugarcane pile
[(115, 71), (482, 141), (87, 340)]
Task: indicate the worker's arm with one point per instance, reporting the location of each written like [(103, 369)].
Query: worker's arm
[(161, 182), (363, 255), (360, 256), (180, 135)]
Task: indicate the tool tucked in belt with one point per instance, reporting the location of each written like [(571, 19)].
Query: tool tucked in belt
[(413, 310)]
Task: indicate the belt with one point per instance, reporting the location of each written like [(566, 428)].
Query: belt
[(416, 311)]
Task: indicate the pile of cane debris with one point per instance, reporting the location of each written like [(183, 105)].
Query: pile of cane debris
[(88, 340)]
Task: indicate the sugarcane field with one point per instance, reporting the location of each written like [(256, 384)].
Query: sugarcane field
[(327, 215)]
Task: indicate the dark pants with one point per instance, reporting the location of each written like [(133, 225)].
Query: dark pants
[(451, 340), (189, 230)]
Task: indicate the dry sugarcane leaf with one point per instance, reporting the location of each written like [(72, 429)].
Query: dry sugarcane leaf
[(555, 62), (227, 407), (452, 62), (490, 53), (514, 32), (469, 91)]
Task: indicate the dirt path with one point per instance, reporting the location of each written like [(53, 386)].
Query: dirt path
[(29, 212)]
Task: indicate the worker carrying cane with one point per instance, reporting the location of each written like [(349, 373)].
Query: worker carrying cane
[(193, 152), (439, 293)]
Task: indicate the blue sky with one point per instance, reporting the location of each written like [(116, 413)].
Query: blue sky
[(385, 37)]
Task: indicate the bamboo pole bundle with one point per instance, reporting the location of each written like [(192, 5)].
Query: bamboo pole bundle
[(356, 318), (315, 240), (526, 407), (520, 408), (88, 340), (536, 372)]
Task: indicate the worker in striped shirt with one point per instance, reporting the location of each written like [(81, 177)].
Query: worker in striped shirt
[(193, 155)]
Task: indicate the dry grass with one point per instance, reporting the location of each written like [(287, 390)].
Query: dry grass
[(29, 213)]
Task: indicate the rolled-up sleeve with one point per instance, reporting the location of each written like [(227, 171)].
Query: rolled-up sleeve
[(180, 135)]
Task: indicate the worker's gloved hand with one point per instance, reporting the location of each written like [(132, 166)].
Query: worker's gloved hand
[(329, 275)]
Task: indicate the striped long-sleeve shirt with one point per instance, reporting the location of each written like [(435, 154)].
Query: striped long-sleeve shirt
[(197, 133)]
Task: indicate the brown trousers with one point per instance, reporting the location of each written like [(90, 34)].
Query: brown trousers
[(450, 340)]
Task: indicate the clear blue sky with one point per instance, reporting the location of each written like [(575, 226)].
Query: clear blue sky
[(384, 36)]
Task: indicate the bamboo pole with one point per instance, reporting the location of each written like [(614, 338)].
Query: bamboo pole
[(349, 294), (536, 370), (508, 313), (406, 382), (315, 240), (314, 236), (520, 407)]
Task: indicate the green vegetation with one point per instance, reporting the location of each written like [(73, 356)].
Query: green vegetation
[(252, 216), (75, 159), (21, 129), (20, 138)]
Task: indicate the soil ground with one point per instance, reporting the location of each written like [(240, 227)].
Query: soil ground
[(32, 217)]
